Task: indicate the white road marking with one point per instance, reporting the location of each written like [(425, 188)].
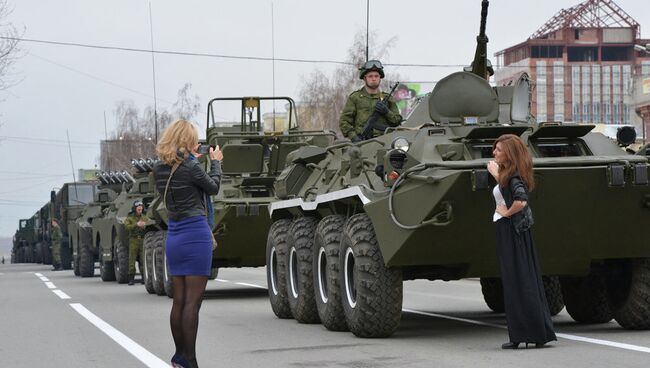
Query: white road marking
[(38, 274), (43, 278), (50, 285), (251, 285), (124, 341), (613, 344), (61, 294)]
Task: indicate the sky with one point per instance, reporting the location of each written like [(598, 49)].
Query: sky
[(64, 90)]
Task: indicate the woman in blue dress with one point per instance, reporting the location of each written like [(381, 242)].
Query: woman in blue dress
[(527, 313), (186, 188)]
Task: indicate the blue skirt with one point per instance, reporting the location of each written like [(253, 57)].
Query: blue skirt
[(189, 247)]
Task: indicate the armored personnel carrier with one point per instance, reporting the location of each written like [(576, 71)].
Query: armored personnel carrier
[(354, 220), (111, 241), (85, 246), (254, 154)]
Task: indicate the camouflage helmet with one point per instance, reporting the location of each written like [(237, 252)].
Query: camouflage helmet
[(371, 66)]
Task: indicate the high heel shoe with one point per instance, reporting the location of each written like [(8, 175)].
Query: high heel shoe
[(510, 345), (179, 361)]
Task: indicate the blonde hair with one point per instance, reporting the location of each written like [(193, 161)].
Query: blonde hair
[(180, 136)]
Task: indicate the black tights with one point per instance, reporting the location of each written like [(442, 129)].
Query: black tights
[(184, 317)]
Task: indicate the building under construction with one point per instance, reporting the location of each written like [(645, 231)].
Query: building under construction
[(584, 62)]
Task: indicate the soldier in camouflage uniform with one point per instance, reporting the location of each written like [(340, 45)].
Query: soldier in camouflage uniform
[(135, 225), (56, 237), (361, 103)]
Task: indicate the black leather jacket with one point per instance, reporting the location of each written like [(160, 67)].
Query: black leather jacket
[(188, 187)]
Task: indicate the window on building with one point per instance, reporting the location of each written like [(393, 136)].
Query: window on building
[(582, 53), (546, 51), (616, 53)]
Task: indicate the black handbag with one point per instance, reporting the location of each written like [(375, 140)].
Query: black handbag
[(522, 220)]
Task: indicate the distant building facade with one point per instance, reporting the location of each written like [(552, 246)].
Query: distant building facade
[(583, 62)]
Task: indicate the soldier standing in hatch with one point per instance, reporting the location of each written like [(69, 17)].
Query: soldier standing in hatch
[(363, 102), (56, 237), (135, 225)]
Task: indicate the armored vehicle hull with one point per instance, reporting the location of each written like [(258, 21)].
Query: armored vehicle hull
[(354, 220)]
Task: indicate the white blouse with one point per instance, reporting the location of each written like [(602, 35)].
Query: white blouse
[(498, 199)]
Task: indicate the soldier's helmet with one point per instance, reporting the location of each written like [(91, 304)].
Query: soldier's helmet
[(137, 203), (371, 66)]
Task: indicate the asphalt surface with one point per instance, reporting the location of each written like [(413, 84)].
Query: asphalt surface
[(444, 324)]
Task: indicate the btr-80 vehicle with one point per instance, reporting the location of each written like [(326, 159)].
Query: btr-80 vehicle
[(111, 240), (354, 220), (85, 246), (254, 154)]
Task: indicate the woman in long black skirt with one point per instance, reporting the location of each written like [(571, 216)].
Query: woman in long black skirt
[(526, 308)]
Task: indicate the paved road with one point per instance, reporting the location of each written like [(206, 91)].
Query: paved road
[(110, 325)]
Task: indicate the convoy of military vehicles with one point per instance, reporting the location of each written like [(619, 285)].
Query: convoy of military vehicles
[(340, 225)]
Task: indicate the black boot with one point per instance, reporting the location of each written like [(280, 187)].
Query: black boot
[(131, 279)]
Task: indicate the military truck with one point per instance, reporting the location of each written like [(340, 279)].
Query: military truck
[(24, 242), (110, 236), (43, 245), (253, 158), (66, 206), (354, 220)]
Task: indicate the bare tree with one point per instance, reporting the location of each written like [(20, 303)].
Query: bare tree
[(322, 97), (9, 50), (134, 135)]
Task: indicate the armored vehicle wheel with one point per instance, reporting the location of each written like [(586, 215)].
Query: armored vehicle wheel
[(47, 254), (327, 280), (300, 280), (169, 286), (86, 261), (66, 254), (492, 290), (150, 239), (276, 268), (158, 259), (372, 293), (39, 252), (121, 260), (586, 299), (553, 292), (106, 269), (630, 295), (75, 266)]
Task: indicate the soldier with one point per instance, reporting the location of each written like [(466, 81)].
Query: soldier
[(135, 224), (56, 237), (363, 102)]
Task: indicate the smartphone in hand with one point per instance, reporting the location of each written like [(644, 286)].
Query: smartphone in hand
[(203, 149)]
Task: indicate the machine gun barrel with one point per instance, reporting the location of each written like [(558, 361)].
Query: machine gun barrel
[(479, 65)]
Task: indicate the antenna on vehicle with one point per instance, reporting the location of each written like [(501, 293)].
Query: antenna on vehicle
[(273, 61), (153, 69), (74, 179), (107, 143), (367, 26)]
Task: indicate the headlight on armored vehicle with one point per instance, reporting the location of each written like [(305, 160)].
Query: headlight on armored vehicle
[(625, 135), (401, 143)]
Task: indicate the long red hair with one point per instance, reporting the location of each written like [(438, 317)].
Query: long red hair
[(517, 160)]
